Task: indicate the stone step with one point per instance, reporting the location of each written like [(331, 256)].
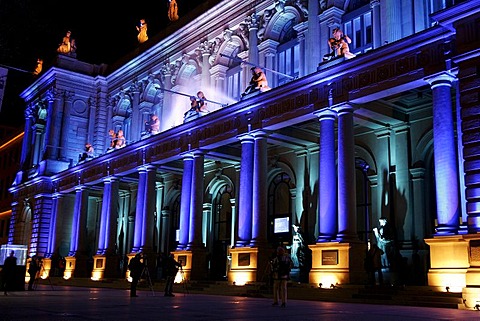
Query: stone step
[(408, 296)]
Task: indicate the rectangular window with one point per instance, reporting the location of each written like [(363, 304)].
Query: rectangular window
[(234, 82), (288, 61), (358, 26)]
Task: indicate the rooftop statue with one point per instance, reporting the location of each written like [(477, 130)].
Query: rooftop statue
[(142, 31)]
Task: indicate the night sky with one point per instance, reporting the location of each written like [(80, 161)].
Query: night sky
[(103, 31)]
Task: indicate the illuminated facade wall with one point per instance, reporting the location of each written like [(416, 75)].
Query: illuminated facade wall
[(334, 146)]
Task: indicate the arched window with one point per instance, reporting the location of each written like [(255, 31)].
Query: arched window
[(279, 208)]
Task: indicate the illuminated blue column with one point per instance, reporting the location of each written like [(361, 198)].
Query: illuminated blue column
[(327, 177), (347, 211), (259, 208), (196, 201), (65, 125), (185, 201), (27, 139), (253, 23), (139, 210), (107, 232), (145, 208), (245, 193), (444, 155), (79, 222), (52, 236), (376, 25)]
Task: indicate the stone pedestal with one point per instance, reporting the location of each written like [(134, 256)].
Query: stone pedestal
[(244, 265), (336, 263)]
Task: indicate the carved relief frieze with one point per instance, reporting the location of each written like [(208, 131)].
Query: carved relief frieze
[(95, 173), (126, 162), (68, 182)]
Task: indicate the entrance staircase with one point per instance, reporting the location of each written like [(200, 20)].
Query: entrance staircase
[(422, 296)]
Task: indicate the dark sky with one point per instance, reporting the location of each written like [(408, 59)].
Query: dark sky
[(104, 31)]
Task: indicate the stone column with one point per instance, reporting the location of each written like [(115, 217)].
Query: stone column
[(138, 240), (347, 216), (301, 29), (218, 76), (376, 23), (245, 193), (166, 230), (313, 36), (393, 12), (149, 209), (38, 132), (52, 235), (27, 140), (79, 223), (50, 133), (444, 154), (418, 193), (137, 125), (107, 232), (196, 205), (268, 52), (185, 201), (159, 189), (252, 24), (259, 209), (205, 68), (65, 125), (327, 216)]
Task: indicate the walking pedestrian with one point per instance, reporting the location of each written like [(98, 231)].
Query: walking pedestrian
[(8, 272)]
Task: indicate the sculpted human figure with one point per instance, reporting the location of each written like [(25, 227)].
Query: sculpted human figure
[(65, 46), (173, 10), (142, 31), (339, 45), (258, 82)]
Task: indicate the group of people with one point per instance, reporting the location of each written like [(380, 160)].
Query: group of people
[(198, 106), (117, 140), (138, 264)]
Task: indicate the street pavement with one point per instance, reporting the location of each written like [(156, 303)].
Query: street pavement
[(80, 303)]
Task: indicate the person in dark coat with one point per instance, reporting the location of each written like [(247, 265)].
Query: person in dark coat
[(33, 269), (8, 272), (171, 269), (136, 268)]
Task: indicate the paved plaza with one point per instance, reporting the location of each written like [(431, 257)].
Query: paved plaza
[(80, 303)]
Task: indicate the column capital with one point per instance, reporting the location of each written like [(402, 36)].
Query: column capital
[(245, 138), (111, 179), (343, 108), (259, 134), (445, 78), (326, 114), (146, 168), (374, 3)]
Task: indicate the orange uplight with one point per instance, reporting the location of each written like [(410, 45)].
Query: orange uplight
[(11, 141)]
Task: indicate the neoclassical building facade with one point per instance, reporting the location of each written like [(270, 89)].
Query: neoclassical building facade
[(331, 148)]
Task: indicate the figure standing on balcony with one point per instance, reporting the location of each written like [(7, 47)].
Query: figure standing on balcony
[(142, 31), (258, 82), (339, 45), (121, 141), (202, 102), (153, 125)]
